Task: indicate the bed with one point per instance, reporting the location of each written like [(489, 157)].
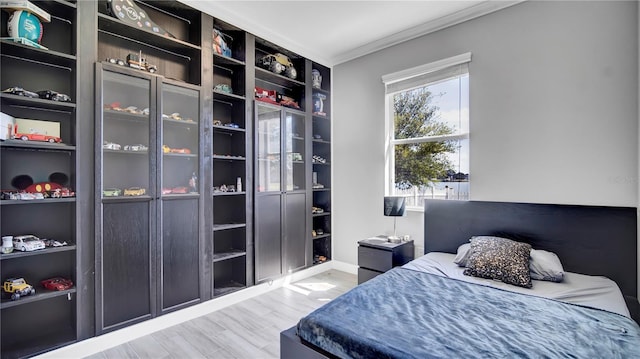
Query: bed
[(428, 308)]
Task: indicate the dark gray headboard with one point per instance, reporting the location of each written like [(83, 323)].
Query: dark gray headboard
[(588, 239)]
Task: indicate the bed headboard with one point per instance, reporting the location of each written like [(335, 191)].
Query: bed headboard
[(588, 239)]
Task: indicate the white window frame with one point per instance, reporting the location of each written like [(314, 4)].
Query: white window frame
[(408, 79)]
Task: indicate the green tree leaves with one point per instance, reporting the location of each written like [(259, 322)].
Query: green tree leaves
[(417, 164)]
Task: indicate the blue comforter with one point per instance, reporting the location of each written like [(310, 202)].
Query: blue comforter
[(410, 314)]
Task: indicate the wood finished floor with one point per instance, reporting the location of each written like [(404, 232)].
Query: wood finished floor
[(249, 329)]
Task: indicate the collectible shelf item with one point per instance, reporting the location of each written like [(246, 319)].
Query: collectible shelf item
[(24, 25), (316, 79), (278, 63), (57, 283), (135, 191), (17, 287), (130, 13), (27, 243), (318, 104), (220, 46), (28, 190), (43, 94)]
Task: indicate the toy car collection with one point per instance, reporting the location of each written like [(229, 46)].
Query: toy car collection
[(17, 287), (111, 146), (278, 63), (111, 192), (136, 148), (184, 151), (21, 92), (27, 243), (57, 283), (54, 96), (134, 191), (43, 94)]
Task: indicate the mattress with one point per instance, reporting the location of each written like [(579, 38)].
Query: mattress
[(591, 291), (408, 313)]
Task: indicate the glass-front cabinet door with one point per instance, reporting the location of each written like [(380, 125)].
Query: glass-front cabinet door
[(294, 147), (268, 149), (178, 240), (125, 190), (180, 117), (126, 128)]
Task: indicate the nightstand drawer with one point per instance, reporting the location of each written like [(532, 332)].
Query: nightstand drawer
[(366, 274), (376, 259)]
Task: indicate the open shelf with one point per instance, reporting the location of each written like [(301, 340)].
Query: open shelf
[(37, 145), (270, 77), (217, 257), (51, 57), (41, 294), (226, 226), (18, 254), (37, 103), (227, 287), (7, 202)]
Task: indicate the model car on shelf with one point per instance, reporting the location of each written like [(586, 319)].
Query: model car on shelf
[(268, 96), (184, 151), (116, 61), (135, 191), (111, 192), (166, 149), (48, 243), (180, 190), (57, 283), (54, 96), (26, 196), (289, 102), (27, 243), (316, 210), (35, 137), (21, 92), (63, 192), (17, 287), (278, 63), (136, 148), (232, 125), (136, 61), (223, 88), (111, 146)]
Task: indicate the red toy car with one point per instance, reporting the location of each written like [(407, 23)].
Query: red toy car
[(57, 283), (36, 137), (180, 150)]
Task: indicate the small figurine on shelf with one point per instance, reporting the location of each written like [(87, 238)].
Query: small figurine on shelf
[(318, 104), (193, 182), (316, 79)]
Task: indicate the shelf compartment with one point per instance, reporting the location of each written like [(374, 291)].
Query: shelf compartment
[(323, 214), (18, 254), (217, 128), (326, 235), (45, 325), (229, 275), (226, 61), (45, 146), (227, 226), (115, 26), (37, 103), (40, 55), (217, 194), (224, 95), (172, 122), (217, 257), (41, 294), (125, 116), (229, 158), (273, 78)]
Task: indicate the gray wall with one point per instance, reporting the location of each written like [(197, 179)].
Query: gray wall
[(553, 112)]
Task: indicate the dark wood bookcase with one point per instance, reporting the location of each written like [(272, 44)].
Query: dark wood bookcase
[(133, 258)]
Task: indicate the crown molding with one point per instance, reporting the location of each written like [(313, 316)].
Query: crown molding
[(470, 13), (219, 11)]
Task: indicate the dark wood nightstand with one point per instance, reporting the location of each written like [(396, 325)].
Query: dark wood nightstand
[(376, 256)]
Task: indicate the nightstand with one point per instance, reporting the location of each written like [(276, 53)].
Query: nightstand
[(376, 256)]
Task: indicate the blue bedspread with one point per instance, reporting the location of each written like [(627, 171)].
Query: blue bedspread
[(410, 314)]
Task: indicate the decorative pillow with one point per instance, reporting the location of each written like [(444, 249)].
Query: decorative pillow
[(500, 258), (462, 256), (545, 265)]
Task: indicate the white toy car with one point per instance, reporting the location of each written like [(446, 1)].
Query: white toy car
[(137, 148), (111, 146), (27, 243)]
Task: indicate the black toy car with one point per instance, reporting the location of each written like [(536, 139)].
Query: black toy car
[(21, 92), (54, 96)]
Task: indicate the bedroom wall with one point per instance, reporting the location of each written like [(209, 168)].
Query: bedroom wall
[(553, 104)]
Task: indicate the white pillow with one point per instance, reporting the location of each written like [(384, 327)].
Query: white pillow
[(545, 265)]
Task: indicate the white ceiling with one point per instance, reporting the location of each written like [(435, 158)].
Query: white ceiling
[(332, 32)]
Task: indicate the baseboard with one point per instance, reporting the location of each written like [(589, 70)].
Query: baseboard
[(345, 267), (103, 342)]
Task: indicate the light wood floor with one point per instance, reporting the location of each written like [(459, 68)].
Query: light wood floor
[(249, 329)]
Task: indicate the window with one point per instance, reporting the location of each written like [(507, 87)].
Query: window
[(427, 111)]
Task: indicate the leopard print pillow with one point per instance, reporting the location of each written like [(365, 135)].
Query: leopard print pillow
[(501, 259)]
